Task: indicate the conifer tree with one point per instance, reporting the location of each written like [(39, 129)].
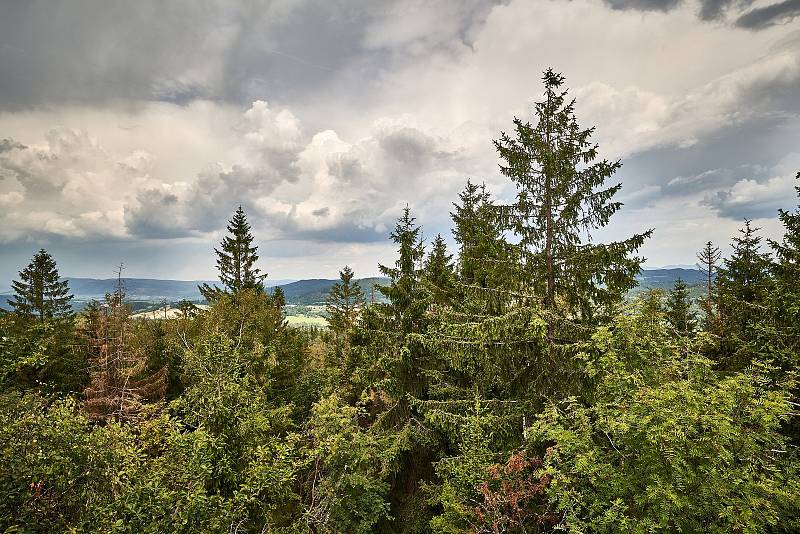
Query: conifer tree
[(743, 280), (344, 302), (484, 256), (709, 257), (743, 284), (561, 200), (40, 292), (391, 335), (679, 309), (781, 340), (787, 252), (236, 260), (475, 230), (119, 381), (439, 271), (278, 297), (391, 327), (405, 306)]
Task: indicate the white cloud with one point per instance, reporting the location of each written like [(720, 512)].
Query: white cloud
[(340, 135)]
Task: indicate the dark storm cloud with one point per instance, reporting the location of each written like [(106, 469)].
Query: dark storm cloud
[(176, 51), (644, 5), (727, 205), (204, 207), (762, 17), (714, 167), (708, 9), (154, 215), (91, 51), (8, 144)]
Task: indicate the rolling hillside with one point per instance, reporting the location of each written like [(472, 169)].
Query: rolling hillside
[(145, 291)]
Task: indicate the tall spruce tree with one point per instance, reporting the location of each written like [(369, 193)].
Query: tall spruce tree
[(484, 255), (439, 271), (236, 260), (390, 338), (781, 339), (787, 252), (344, 302), (708, 258), (40, 292), (560, 201), (785, 297), (405, 306), (744, 279), (743, 285), (679, 309)]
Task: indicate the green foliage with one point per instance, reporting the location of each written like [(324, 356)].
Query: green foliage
[(666, 444), (510, 390), (40, 355), (743, 287), (560, 200), (679, 309), (236, 260), (348, 487), (40, 292), (345, 301), (439, 272)]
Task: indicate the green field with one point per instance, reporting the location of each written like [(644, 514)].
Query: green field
[(305, 320)]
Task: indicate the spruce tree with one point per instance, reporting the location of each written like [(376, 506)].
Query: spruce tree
[(40, 292), (743, 284), (390, 338), (708, 258), (483, 256), (560, 201), (344, 302), (787, 252), (405, 306), (236, 260), (278, 297), (439, 271), (679, 309), (781, 339), (743, 280)]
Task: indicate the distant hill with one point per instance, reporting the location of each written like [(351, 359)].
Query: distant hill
[(139, 291), (315, 291), (665, 278), (144, 291)]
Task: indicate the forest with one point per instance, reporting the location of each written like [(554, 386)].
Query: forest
[(511, 385)]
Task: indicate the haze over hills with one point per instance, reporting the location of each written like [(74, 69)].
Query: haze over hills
[(144, 291)]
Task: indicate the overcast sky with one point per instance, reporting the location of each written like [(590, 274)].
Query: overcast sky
[(130, 131)]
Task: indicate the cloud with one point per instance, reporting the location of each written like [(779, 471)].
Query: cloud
[(235, 51), (64, 186), (147, 124), (763, 17), (752, 199), (708, 10), (644, 5)]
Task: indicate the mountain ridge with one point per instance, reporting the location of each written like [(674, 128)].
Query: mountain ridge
[(311, 291)]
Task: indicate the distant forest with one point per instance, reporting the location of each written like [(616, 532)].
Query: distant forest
[(524, 382)]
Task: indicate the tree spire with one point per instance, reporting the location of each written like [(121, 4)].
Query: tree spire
[(236, 260), (40, 292)]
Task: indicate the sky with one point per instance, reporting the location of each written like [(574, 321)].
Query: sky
[(131, 131)]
